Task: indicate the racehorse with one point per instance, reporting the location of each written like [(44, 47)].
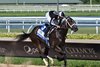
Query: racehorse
[(56, 37)]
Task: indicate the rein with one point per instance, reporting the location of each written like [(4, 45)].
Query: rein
[(66, 19)]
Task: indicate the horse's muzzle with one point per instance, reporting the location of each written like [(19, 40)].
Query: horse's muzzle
[(74, 28)]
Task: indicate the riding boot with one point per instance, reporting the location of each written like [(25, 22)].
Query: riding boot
[(48, 44), (51, 29), (46, 33)]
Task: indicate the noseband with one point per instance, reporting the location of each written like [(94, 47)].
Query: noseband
[(66, 19)]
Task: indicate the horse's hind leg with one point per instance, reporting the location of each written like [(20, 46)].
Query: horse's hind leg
[(44, 60), (46, 51), (46, 54), (39, 48), (47, 61)]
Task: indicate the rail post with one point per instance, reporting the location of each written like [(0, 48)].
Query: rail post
[(8, 25), (23, 27), (97, 30)]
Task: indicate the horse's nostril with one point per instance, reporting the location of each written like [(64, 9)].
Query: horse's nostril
[(76, 29)]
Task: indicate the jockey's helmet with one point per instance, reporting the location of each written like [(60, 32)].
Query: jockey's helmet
[(56, 13)]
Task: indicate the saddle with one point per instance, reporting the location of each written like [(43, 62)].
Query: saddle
[(41, 31)]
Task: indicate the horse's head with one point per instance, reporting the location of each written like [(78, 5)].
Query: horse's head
[(70, 23)]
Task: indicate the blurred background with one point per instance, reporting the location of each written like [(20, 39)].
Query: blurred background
[(18, 15)]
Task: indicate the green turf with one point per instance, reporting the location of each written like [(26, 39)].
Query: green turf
[(82, 33), (87, 30), (25, 13), (81, 30), (42, 13), (80, 13), (38, 61)]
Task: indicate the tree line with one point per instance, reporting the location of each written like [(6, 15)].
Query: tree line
[(93, 1)]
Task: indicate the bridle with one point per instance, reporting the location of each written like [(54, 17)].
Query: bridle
[(70, 25)]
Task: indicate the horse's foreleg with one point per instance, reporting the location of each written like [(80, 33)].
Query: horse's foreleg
[(64, 56), (59, 50), (65, 62)]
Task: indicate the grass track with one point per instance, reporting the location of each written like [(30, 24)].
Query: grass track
[(38, 61), (81, 30), (42, 13)]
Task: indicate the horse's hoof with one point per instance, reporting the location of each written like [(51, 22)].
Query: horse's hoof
[(60, 58)]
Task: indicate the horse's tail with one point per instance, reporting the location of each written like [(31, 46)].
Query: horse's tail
[(22, 37)]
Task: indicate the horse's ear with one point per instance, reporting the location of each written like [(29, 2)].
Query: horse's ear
[(68, 16)]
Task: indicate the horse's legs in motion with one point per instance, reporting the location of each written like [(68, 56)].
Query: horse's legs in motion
[(64, 56), (34, 40), (65, 63), (46, 51), (61, 51), (38, 45)]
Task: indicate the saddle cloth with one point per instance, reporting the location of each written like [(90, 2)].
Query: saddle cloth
[(41, 32)]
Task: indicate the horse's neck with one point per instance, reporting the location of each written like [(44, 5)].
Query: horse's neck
[(61, 32), (64, 32)]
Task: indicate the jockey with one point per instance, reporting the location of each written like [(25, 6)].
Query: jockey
[(53, 18)]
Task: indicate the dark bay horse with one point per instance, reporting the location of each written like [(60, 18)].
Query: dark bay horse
[(56, 37)]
